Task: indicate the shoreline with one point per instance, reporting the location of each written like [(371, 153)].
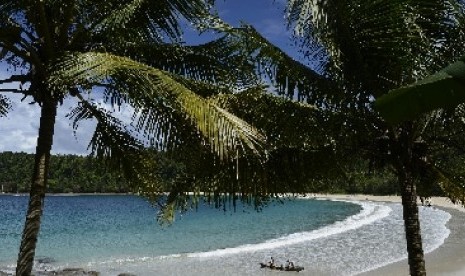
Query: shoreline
[(447, 260)]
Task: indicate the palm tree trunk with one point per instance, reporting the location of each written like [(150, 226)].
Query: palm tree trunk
[(416, 258), (38, 188)]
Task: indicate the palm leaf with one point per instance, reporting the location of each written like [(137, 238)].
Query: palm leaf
[(223, 130), (444, 89), (8, 7), (278, 117), (155, 20), (111, 134), (362, 39), (218, 62), (271, 63), (290, 77), (112, 141), (452, 186)]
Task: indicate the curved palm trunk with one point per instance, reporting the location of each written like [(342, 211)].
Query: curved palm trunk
[(38, 187), (416, 258)]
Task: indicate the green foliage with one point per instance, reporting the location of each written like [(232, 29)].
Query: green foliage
[(78, 174), (370, 48), (443, 89), (15, 171), (68, 174), (134, 57), (89, 49)]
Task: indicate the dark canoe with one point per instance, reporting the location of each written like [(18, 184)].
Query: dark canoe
[(282, 268)]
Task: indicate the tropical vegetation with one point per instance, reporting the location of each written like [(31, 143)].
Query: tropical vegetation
[(104, 55), (68, 174), (443, 89), (369, 48), (79, 174), (187, 100)]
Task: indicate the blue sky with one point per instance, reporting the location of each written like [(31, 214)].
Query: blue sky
[(18, 131)]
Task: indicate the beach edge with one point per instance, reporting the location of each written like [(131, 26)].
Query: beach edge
[(447, 260)]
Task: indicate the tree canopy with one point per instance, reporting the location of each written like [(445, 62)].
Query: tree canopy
[(443, 89)]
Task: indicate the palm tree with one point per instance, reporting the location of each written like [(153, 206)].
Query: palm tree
[(439, 94), (124, 53), (369, 48)]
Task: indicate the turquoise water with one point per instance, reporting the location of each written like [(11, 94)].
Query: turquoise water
[(115, 234)]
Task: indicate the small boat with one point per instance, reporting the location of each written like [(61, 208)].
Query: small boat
[(282, 268)]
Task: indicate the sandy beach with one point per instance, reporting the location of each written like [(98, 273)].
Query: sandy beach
[(447, 260)]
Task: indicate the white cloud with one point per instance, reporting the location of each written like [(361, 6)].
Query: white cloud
[(18, 131)]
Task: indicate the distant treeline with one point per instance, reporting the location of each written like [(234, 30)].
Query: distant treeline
[(79, 174), (68, 173)]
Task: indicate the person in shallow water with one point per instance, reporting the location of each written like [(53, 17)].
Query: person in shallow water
[(271, 263), (289, 264)]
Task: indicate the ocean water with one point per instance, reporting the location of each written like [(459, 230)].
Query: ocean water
[(116, 234)]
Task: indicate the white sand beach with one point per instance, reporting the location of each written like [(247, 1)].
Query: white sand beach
[(447, 260)]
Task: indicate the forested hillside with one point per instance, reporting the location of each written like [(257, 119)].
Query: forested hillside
[(78, 174), (69, 173)]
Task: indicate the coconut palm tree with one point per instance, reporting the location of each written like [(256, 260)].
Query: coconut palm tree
[(122, 53), (369, 48), (440, 95)]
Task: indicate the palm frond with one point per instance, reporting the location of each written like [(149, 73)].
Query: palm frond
[(362, 38), (278, 117), (443, 89), (204, 89), (289, 75), (219, 62), (224, 131), (10, 37), (111, 134), (112, 141), (121, 16), (222, 61), (291, 78), (451, 184), (156, 20), (8, 7)]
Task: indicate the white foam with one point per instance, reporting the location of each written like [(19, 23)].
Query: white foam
[(370, 213), (442, 231), (377, 215), (445, 232)]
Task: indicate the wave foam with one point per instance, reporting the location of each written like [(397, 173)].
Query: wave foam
[(441, 234), (370, 213)]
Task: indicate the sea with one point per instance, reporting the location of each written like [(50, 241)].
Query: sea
[(120, 234)]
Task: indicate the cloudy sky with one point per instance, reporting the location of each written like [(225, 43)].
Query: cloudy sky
[(18, 131)]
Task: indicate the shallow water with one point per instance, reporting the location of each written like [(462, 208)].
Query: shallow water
[(115, 234)]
